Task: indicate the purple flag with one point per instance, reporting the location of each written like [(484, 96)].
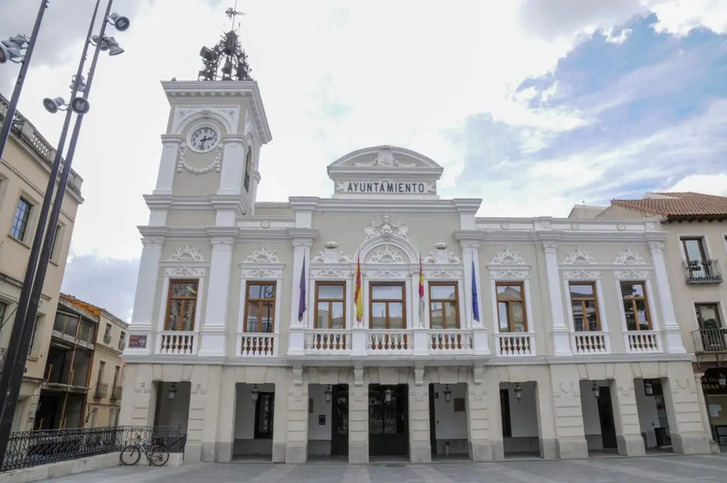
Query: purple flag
[(301, 301), (475, 307)]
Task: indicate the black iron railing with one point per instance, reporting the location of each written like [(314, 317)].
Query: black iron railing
[(702, 271), (710, 340), (32, 448)]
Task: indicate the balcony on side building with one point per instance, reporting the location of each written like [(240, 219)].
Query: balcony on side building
[(702, 271), (102, 390), (710, 341)]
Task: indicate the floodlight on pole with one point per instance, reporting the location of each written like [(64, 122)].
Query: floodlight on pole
[(55, 104), (119, 21), (107, 44), (12, 49)]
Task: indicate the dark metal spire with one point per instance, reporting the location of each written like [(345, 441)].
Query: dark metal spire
[(227, 60)]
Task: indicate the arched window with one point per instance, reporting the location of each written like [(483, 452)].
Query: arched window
[(248, 161)]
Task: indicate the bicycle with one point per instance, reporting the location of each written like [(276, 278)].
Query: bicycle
[(155, 453)]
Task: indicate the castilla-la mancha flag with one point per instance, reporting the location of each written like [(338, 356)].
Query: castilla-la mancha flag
[(358, 294)]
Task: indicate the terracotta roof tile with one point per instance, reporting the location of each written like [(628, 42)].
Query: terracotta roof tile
[(679, 205)]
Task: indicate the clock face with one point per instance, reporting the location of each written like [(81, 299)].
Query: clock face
[(204, 139)]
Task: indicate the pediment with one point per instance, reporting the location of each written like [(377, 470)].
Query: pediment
[(388, 171)]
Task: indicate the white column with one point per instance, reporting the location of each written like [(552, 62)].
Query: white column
[(233, 164), (167, 165), (470, 256), (561, 337), (672, 333), (215, 317), (141, 319), (301, 251)]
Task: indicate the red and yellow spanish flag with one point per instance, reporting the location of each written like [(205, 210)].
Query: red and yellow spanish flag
[(358, 294), (421, 279)]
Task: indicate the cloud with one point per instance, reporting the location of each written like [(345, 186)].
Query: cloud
[(680, 18), (712, 184), (105, 282)]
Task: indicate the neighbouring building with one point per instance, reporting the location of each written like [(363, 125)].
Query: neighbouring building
[(695, 245), (83, 377), (24, 172), (385, 320)]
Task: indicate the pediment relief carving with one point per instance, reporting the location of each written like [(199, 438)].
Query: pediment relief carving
[(629, 257), (579, 257), (386, 229), (387, 254), (187, 253), (507, 257), (262, 255), (441, 256)]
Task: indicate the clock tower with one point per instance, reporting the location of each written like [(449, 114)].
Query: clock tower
[(207, 180)]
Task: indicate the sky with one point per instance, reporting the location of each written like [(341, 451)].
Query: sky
[(531, 105)]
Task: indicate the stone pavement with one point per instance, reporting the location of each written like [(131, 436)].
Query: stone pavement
[(671, 468)]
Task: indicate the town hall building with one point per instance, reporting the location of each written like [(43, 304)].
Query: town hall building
[(386, 320)]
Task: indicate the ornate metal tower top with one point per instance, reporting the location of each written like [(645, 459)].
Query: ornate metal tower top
[(227, 60)]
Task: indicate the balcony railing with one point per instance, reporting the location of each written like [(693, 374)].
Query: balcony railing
[(388, 342), (515, 344), (710, 340), (107, 339), (450, 341), (702, 271), (327, 341), (177, 342), (102, 390), (116, 393), (642, 341), (257, 344), (590, 343)]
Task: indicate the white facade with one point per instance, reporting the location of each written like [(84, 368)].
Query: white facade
[(482, 386)]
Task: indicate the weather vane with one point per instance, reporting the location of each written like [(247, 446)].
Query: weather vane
[(227, 60)]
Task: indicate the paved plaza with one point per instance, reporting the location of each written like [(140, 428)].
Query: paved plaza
[(671, 468)]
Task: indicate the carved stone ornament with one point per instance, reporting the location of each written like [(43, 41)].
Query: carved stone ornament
[(187, 253), (184, 272), (385, 158), (631, 274), (386, 229), (387, 274), (443, 274), (261, 273), (387, 254), (227, 115), (215, 165), (629, 257), (579, 257), (581, 274), (441, 256), (509, 274), (262, 255), (331, 255), (507, 257), (330, 273)]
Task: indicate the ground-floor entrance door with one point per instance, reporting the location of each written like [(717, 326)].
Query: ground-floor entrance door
[(339, 426), (388, 420), (605, 416)]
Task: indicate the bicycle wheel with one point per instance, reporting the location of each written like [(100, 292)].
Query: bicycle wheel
[(130, 455), (157, 456)]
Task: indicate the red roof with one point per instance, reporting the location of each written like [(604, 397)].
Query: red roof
[(679, 205)]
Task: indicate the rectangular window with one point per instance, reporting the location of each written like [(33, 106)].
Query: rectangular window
[(56, 244), (636, 306), (117, 370), (584, 304), (708, 316), (695, 255), (107, 334), (181, 305), (443, 305), (32, 336), (20, 221), (99, 378), (3, 311), (122, 340), (505, 412), (511, 307), (260, 307), (387, 307), (330, 305)]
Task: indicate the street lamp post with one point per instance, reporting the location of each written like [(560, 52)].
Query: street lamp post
[(11, 378), (11, 50)]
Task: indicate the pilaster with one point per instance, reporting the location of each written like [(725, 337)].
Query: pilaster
[(296, 445), (684, 412), (213, 329), (167, 164), (420, 450), (672, 333), (146, 289), (561, 336), (478, 421), (626, 414), (568, 412), (233, 164), (358, 420)]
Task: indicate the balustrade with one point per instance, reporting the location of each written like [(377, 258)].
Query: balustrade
[(258, 344), (388, 341), (446, 341), (643, 341), (327, 341), (176, 342), (515, 344), (590, 343)]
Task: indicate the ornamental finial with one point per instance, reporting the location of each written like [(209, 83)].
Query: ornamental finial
[(227, 60)]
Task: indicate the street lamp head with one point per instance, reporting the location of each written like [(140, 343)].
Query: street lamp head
[(54, 105), (79, 105), (207, 53), (119, 21), (107, 43), (78, 83)]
